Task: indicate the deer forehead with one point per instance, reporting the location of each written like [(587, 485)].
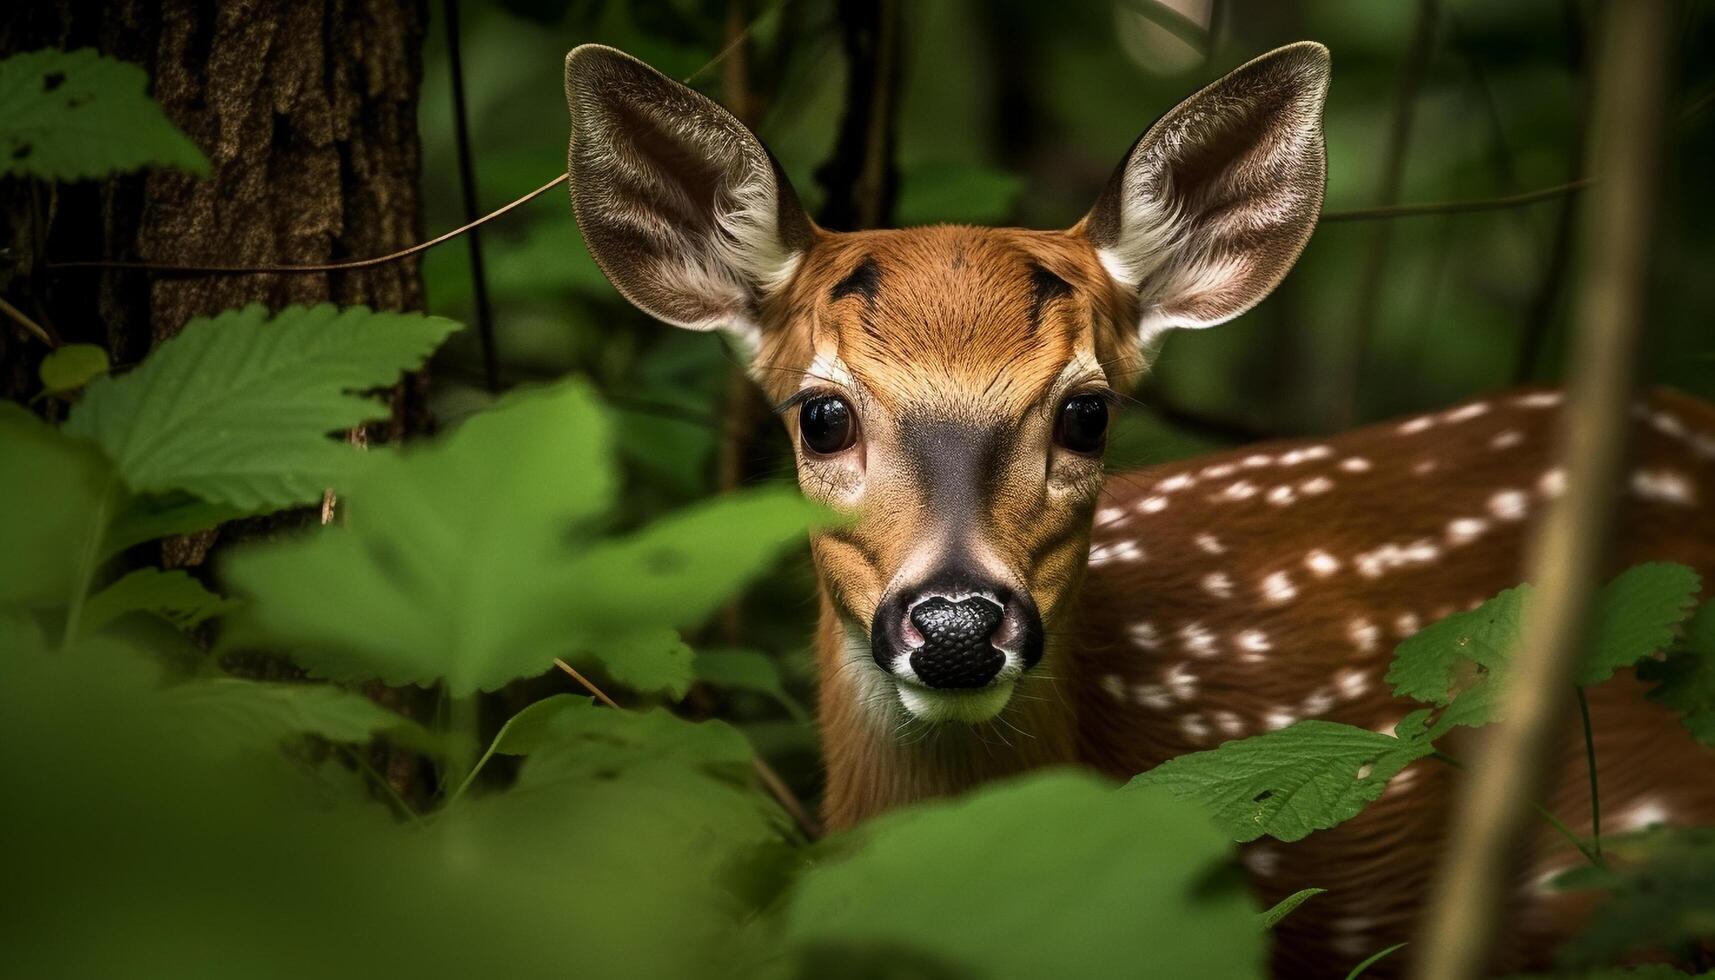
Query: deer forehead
[(972, 320)]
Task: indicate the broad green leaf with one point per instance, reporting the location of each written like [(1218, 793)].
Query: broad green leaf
[(1288, 905), (1307, 777), (653, 660), (1637, 614), (56, 496), (237, 409), (1661, 885), (580, 740), (150, 517), (71, 367), (1685, 681), (1049, 875), (173, 596), (452, 561), (226, 715), (73, 115), (1427, 666), (678, 570), (535, 725), (745, 670)]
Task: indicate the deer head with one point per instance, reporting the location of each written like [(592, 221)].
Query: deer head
[(949, 386)]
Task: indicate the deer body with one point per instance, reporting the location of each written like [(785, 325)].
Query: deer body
[(997, 603)]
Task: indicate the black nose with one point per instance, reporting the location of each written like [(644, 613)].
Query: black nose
[(956, 650)]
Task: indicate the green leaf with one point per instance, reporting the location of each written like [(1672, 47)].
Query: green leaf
[(71, 367), (1685, 681), (579, 740), (451, 562), (55, 498), (1661, 885), (1426, 666), (1050, 875), (237, 408), (745, 670), (173, 596), (74, 115), (678, 570), (535, 725), (1637, 614), (1288, 905), (1373, 959), (1309, 776), (653, 660), (224, 716)]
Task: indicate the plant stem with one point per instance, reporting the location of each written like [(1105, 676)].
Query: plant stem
[(1590, 758), (1553, 821), (88, 561), (1377, 957), (27, 323)]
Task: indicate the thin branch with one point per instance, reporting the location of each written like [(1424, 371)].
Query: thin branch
[(1590, 760), (467, 190), (248, 270), (1459, 207), (771, 780), (1491, 826), (24, 321), (862, 176)]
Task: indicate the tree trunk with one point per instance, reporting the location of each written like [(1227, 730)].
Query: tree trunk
[(307, 112)]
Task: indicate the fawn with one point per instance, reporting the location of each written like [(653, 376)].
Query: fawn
[(1001, 603)]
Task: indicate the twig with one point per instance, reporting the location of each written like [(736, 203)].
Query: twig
[(246, 270), (862, 177), (1368, 305), (585, 683), (1459, 207), (1469, 905), (24, 321), (467, 188), (1590, 759)]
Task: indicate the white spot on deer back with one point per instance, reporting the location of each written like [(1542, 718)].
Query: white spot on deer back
[(1256, 461), (1277, 588), (1218, 584), (1153, 696), (1464, 530), (1642, 814), (1115, 686), (1321, 563), (1230, 724), (1405, 624), (1664, 486), (1194, 728), (1145, 636), (1210, 544), (1355, 464), (1281, 496), (1316, 485), (1219, 471), (1352, 683), (1363, 634), (1197, 640), (1239, 490), (1411, 427), (1506, 439), (1180, 681), (1252, 644), (1278, 718), (1509, 505), (1109, 515), (1465, 413), (1538, 399), (1152, 505), (1552, 484), (1262, 861), (1175, 483), (1424, 467)]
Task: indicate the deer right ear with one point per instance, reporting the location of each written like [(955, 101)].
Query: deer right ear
[(681, 206), (1211, 207)]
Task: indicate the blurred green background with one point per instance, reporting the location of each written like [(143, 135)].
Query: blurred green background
[(1015, 112)]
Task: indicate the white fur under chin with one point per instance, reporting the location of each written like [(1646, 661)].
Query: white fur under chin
[(969, 707)]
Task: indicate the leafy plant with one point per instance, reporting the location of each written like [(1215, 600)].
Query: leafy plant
[(1314, 775)]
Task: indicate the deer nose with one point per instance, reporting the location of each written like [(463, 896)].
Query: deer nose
[(958, 649)]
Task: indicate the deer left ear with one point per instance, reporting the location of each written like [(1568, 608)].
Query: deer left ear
[(1211, 207)]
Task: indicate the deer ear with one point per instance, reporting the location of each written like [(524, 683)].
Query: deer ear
[(1212, 205), (682, 207)]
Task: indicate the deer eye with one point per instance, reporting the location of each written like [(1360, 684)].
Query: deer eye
[(1083, 424), (827, 425)]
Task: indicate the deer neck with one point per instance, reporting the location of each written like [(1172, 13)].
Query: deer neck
[(877, 759)]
